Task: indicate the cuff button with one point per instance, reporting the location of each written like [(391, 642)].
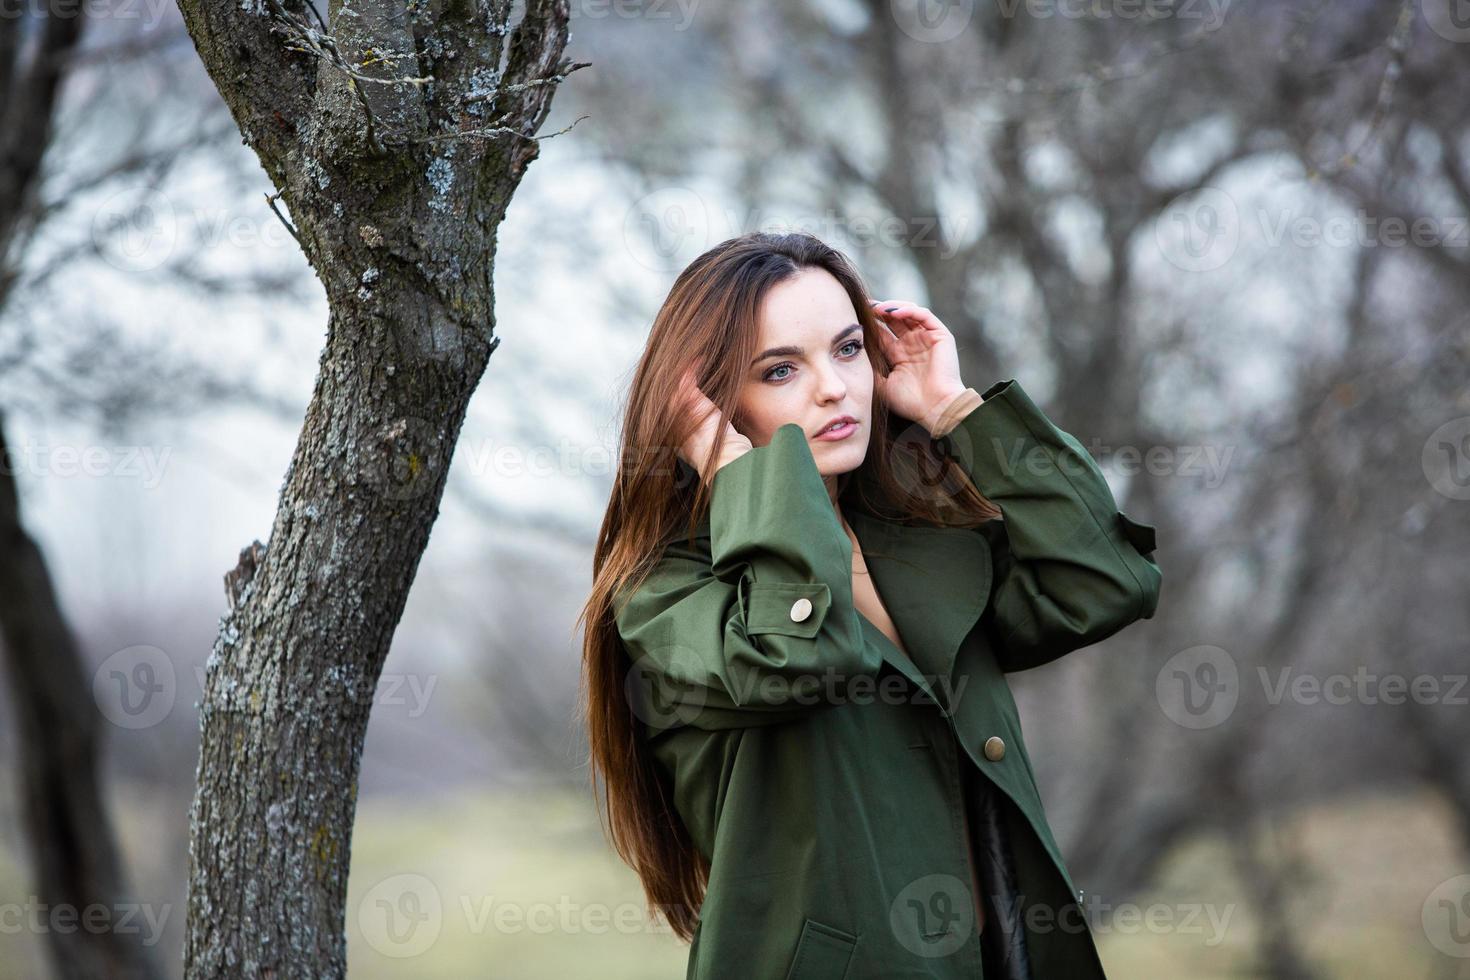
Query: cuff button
[(801, 609)]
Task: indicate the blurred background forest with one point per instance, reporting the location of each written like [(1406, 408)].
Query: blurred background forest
[(1222, 243)]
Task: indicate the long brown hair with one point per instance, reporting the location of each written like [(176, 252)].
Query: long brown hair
[(710, 320)]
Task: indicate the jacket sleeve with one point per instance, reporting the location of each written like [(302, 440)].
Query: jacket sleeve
[(1069, 568), (763, 628)]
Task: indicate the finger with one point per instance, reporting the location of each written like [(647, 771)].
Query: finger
[(690, 390), (918, 318), (903, 316), (913, 312), (899, 323), (887, 340), (885, 309), (694, 403), (897, 307), (708, 411)]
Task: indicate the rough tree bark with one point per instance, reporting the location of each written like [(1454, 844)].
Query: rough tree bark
[(396, 137)]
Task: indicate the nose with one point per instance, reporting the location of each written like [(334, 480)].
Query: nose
[(830, 386)]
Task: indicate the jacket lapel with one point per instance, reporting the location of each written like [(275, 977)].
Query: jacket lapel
[(934, 582)]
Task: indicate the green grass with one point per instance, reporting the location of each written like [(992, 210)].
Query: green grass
[(525, 886), (1370, 865)]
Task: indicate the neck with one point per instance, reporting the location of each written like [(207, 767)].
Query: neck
[(831, 482)]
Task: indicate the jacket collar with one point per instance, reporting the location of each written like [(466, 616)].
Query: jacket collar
[(934, 582)]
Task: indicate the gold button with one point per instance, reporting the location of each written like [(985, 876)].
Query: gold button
[(995, 749), (801, 609)]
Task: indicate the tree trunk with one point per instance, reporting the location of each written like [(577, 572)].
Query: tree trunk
[(396, 190), (75, 859)]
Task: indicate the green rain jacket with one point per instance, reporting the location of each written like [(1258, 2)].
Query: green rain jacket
[(825, 775)]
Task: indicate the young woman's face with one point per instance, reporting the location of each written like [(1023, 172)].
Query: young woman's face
[(811, 367)]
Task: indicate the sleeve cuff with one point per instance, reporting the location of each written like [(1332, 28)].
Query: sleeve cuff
[(950, 413), (772, 502), (994, 446)]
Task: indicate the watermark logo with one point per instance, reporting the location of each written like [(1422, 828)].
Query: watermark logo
[(1199, 230), (932, 21), (401, 916), (1450, 19), (138, 686), (659, 698), (135, 687), (1362, 687), (147, 464), (135, 232), (36, 917), (933, 916), (1446, 459), (665, 227), (1446, 916), (681, 12), (1198, 687)]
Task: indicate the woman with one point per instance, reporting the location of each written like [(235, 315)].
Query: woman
[(822, 554)]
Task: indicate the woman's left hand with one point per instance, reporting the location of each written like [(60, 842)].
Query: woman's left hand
[(925, 361)]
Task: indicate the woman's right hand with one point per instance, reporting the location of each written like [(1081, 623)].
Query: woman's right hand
[(695, 449)]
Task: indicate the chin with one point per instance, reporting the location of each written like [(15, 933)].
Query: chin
[(835, 459)]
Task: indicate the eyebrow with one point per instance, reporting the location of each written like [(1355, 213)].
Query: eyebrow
[(790, 351)]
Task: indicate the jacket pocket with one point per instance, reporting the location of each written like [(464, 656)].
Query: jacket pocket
[(822, 953)]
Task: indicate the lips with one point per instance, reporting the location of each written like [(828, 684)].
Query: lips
[(835, 423)]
